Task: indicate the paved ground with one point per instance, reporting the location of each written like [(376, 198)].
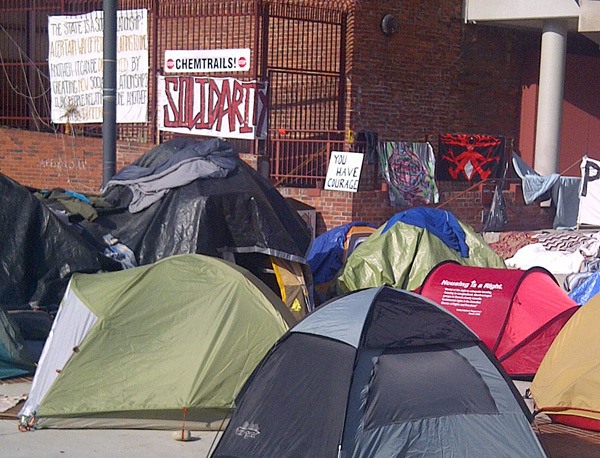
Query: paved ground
[(99, 443), (559, 441), (92, 443)]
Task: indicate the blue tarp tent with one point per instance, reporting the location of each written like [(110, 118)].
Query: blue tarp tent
[(326, 254)]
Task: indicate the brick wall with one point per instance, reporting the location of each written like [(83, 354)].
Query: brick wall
[(402, 85), (434, 75), (45, 161)]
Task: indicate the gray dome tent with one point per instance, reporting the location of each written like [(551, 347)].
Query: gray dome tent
[(379, 372)]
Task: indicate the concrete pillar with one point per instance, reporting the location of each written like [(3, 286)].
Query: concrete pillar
[(550, 97)]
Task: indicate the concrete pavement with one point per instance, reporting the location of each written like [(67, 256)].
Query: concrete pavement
[(83, 443)]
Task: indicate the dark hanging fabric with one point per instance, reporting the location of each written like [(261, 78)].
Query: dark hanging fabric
[(471, 158)]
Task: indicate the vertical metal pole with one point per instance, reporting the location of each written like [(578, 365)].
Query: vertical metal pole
[(153, 11), (109, 91), (31, 82)]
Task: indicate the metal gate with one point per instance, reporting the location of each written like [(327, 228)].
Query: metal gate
[(298, 47)]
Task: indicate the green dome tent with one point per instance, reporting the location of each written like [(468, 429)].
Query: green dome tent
[(15, 360), (402, 255), (152, 346)]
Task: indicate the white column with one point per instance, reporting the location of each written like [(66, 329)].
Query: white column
[(550, 97)]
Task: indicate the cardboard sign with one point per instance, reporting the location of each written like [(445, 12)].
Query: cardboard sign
[(343, 173)]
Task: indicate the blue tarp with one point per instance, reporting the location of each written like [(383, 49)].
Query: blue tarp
[(586, 289), (326, 254), (440, 223)]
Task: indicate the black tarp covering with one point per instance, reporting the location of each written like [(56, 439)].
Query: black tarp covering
[(38, 251), (240, 213), (43, 242)]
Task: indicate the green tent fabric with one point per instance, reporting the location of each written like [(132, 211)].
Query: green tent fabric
[(404, 255), (15, 360), (170, 342)]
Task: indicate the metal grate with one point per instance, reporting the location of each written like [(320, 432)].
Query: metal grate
[(299, 47)]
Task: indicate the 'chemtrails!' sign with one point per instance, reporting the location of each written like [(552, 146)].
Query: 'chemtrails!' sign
[(75, 62), (207, 61)]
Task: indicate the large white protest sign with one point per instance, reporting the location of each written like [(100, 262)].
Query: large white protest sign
[(218, 107), (75, 62), (343, 173)]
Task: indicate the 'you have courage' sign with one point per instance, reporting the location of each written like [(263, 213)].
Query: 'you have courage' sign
[(343, 173)]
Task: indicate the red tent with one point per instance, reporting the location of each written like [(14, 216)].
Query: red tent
[(516, 313)]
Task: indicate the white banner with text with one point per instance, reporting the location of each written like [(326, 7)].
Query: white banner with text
[(218, 107), (75, 62)]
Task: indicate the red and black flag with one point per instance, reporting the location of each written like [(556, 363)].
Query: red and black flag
[(465, 157)]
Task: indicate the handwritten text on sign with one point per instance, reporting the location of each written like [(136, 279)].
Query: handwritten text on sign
[(219, 107), (75, 62), (343, 173)]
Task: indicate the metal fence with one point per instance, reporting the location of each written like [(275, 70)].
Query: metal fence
[(298, 47)]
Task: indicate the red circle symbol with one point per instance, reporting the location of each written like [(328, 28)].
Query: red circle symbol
[(242, 62), (170, 64)]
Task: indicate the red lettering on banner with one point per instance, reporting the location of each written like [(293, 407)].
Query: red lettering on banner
[(246, 127), (224, 103), (236, 100), (187, 99), (200, 122), (214, 106), (171, 103), (203, 104)]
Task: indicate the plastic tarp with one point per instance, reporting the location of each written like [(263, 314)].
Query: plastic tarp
[(149, 183), (39, 251), (440, 223), (516, 313), (403, 256), (326, 254), (587, 289), (155, 346), (239, 213)]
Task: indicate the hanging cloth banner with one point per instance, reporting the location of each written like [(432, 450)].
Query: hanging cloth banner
[(589, 195), (464, 157), (75, 64), (217, 107), (409, 171)]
